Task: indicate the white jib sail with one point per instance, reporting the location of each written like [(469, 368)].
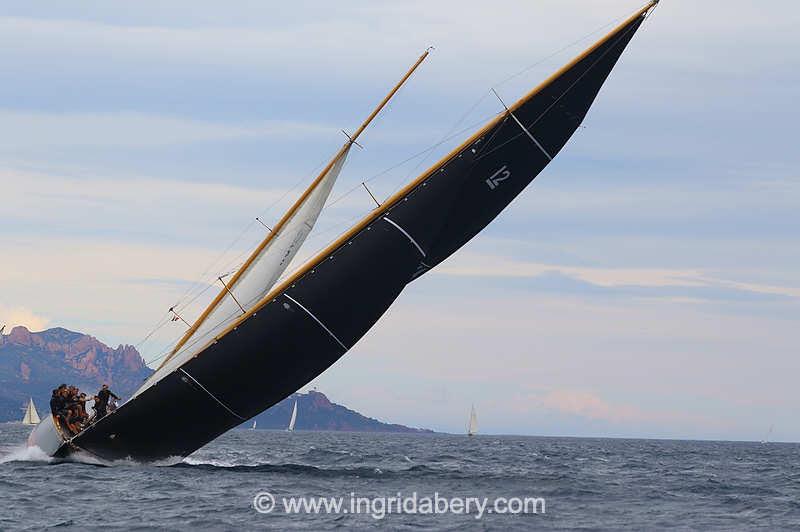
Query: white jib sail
[(256, 280), (31, 415), (473, 422), (294, 418)]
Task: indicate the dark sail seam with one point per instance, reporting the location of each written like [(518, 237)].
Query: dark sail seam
[(296, 302), (223, 405)]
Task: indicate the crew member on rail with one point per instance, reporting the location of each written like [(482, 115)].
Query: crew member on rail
[(57, 401), (101, 402)]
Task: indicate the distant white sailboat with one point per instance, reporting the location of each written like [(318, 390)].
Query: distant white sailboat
[(472, 428), (31, 415), (254, 425), (292, 421), (766, 440)]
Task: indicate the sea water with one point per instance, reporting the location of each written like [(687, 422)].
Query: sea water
[(413, 482)]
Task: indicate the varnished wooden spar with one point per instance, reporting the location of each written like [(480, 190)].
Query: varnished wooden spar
[(292, 210), (310, 321), (386, 205)]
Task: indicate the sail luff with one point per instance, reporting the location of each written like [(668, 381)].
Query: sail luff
[(226, 291), (400, 194), (291, 212), (34, 414)]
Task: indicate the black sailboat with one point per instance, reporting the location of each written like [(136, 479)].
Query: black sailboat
[(306, 322)]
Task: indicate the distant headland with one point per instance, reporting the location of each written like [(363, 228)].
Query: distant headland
[(33, 363)]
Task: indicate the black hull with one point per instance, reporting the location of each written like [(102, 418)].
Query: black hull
[(265, 359), (310, 324)]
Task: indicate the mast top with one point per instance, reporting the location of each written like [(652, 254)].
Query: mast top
[(354, 137), (282, 285), (276, 229)]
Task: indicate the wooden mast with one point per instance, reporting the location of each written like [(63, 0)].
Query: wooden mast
[(397, 196), (292, 210)]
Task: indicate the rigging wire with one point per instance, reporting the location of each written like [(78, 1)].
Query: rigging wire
[(560, 97), (207, 271), (650, 14), (207, 275), (502, 82), (423, 155), (159, 324), (451, 134), (204, 278)]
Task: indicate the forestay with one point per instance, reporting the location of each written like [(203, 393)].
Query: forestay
[(260, 273)]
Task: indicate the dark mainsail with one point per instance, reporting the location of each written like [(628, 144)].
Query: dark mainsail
[(317, 314)]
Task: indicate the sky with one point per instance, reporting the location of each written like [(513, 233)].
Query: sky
[(645, 285)]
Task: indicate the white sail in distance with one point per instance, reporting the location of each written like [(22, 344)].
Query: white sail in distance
[(31, 415), (769, 433), (472, 428), (293, 420)]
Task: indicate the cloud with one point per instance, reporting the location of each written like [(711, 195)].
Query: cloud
[(789, 291), (137, 208), (135, 129), (470, 264), (478, 265), (591, 406), (208, 34), (14, 316), (627, 280), (138, 192)]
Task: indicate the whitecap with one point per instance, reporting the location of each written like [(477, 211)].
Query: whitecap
[(216, 463), (25, 454)]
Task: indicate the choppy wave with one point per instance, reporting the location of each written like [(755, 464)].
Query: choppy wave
[(604, 484), (24, 453), (310, 470)]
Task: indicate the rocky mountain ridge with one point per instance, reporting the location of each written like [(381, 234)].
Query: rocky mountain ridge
[(33, 363)]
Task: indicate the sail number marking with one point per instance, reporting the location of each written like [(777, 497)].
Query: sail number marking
[(498, 177)]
